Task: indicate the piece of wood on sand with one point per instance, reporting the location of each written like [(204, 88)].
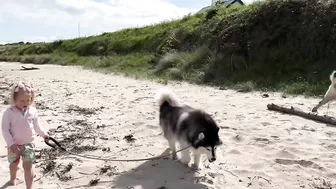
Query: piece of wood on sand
[(31, 68), (310, 115)]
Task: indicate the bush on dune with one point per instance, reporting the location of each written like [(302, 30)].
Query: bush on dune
[(276, 43)]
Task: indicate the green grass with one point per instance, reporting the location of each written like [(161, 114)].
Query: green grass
[(273, 45)]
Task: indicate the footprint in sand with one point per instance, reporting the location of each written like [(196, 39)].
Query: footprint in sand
[(238, 138), (261, 141), (285, 154), (330, 134), (303, 163), (139, 123), (9, 184), (266, 123), (204, 179), (227, 127), (152, 127), (240, 117), (234, 152), (330, 146)]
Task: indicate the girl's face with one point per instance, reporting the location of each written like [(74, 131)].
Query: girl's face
[(23, 100)]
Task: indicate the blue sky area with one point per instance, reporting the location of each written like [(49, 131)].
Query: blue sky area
[(49, 20)]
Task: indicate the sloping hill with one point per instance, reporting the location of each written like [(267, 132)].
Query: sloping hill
[(281, 44)]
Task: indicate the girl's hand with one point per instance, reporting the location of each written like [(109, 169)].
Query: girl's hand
[(14, 148)]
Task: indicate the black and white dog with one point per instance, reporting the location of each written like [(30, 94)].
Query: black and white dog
[(330, 95), (188, 126)]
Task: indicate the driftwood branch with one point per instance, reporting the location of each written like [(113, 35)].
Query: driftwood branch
[(310, 115), (4, 88), (31, 68)]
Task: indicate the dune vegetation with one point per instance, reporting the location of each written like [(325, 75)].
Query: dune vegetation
[(272, 45)]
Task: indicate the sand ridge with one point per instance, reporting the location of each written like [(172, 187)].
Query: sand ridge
[(93, 112)]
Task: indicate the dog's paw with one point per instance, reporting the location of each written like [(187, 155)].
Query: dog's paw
[(314, 109), (185, 160), (174, 156), (197, 167)]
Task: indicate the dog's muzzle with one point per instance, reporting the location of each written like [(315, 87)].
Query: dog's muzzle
[(212, 160)]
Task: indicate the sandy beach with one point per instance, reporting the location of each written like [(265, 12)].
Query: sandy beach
[(117, 117)]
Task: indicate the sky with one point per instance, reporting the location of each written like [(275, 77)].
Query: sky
[(50, 20)]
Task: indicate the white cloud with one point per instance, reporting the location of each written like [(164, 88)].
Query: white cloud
[(247, 2), (94, 17), (33, 39)]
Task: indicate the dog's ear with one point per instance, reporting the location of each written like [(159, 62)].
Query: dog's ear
[(201, 136), (199, 139)]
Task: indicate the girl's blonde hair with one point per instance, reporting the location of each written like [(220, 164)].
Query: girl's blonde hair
[(21, 87)]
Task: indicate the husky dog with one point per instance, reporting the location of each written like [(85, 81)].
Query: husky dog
[(330, 95), (188, 126)]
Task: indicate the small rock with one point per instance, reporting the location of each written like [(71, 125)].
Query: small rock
[(94, 182), (265, 95), (129, 138), (106, 149)]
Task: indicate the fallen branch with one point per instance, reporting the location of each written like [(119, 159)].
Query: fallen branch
[(31, 68), (310, 115)]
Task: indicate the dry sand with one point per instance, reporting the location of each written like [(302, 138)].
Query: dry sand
[(262, 149)]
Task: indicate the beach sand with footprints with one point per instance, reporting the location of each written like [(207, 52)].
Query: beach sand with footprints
[(117, 117)]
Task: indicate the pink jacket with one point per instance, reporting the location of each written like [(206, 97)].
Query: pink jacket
[(19, 128)]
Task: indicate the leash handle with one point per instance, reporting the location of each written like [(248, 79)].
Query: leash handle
[(57, 144)]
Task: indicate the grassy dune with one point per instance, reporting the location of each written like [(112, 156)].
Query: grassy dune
[(274, 45)]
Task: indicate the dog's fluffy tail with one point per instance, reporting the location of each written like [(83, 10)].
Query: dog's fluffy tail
[(166, 97), (333, 77)]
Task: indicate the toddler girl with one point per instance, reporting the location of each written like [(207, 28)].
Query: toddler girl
[(19, 123)]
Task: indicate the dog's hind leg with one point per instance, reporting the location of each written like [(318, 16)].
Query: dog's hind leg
[(324, 101), (328, 107), (330, 95), (171, 141), (172, 147)]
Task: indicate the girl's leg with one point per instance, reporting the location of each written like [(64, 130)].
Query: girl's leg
[(14, 160), (28, 159), (13, 167), (28, 174)]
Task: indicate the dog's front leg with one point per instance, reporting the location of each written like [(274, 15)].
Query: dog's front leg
[(197, 159), (185, 155)]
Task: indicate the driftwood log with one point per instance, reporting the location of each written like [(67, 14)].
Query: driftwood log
[(31, 68), (310, 115)]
